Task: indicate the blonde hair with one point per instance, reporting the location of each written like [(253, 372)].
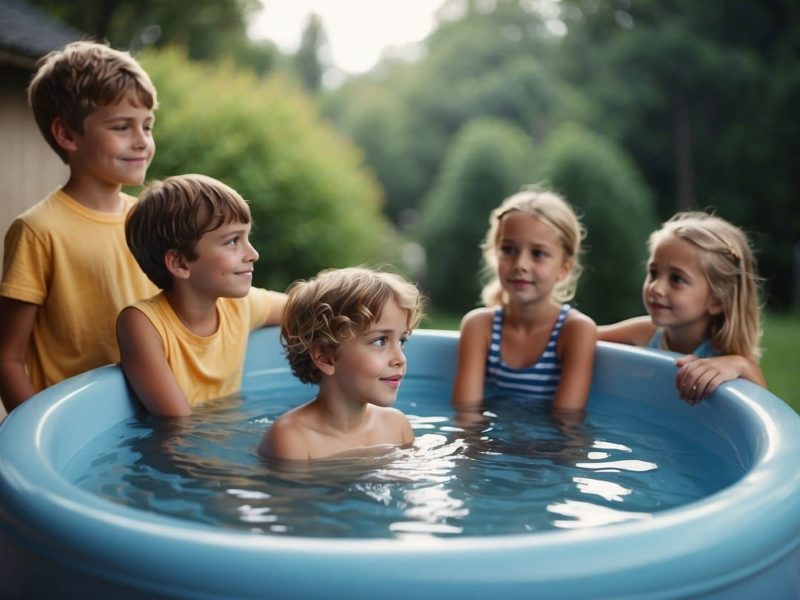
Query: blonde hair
[(336, 306), (553, 211), (173, 215), (729, 266), (73, 82)]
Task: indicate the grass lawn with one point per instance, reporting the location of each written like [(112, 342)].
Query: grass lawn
[(781, 343), (780, 363)]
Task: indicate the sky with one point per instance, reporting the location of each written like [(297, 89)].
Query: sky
[(358, 30)]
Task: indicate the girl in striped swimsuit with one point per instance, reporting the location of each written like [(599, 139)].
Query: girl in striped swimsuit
[(526, 341)]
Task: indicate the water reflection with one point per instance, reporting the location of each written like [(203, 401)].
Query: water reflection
[(512, 467)]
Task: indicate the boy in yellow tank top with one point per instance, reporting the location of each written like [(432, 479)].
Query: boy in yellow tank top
[(186, 345), (67, 271)]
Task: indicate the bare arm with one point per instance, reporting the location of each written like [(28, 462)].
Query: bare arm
[(577, 342), (473, 346), (16, 325), (697, 378), (276, 304), (146, 367), (635, 332)]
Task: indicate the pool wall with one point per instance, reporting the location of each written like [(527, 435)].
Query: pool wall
[(743, 542)]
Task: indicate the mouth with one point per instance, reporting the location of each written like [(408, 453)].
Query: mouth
[(657, 306), (393, 381)]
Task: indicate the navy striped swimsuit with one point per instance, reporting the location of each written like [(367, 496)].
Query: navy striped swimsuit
[(540, 380)]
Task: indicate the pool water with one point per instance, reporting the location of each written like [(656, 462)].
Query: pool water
[(515, 470)]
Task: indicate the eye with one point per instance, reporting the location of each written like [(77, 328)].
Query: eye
[(506, 250), (652, 274), (234, 241), (403, 340), (378, 342), (676, 279), (539, 253)]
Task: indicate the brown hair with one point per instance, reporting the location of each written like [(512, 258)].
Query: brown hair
[(73, 82), (337, 305), (173, 215)]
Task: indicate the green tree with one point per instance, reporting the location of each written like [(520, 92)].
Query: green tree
[(617, 210), (477, 63), (309, 63), (313, 205), (488, 160), (208, 29)]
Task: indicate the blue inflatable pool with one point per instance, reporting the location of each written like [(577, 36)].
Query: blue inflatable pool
[(742, 542)]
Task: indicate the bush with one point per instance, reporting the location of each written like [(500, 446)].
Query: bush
[(485, 163), (616, 208), (313, 204)]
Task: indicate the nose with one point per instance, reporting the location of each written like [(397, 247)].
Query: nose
[(142, 137), (521, 261), (656, 286), (252, 253), (398, 356)]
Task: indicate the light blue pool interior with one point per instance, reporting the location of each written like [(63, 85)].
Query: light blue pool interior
[(741, 542)]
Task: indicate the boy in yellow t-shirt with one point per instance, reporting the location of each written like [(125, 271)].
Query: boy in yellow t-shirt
[(67, 271), (186, 345)]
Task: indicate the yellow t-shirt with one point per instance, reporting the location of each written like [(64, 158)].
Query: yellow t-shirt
[(74, 263), (208, 367)]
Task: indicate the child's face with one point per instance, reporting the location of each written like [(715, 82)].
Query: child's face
[(116, 146), (224, 264), (530, 258), (675, 291), (369, 367)]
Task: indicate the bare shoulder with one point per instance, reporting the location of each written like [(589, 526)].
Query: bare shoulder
[(579, 331), (579, 322), (286, 437), (478, 319), (392, 424)]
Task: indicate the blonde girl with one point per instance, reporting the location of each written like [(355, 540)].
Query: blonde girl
[(526, 341), (701, 292)]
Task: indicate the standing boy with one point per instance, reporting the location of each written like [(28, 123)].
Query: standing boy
[(67, 271), (186, 345)]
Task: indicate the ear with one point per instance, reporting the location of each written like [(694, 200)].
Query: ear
[(714, 306), (63, 135), (323, 358), (566, 269), (177, 264)]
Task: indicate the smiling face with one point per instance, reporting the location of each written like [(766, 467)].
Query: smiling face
[(116, 146), (368, 368), (530, 258), (224, 263), (676, 293)]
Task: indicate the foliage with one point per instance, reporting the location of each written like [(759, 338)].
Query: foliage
[(488, 160), (313, 206), (701, 95), (208, 29), (481, 64), (616, 208)]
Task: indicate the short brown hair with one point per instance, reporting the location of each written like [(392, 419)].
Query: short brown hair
[(337, 305), (173, 215), (73, 82)]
